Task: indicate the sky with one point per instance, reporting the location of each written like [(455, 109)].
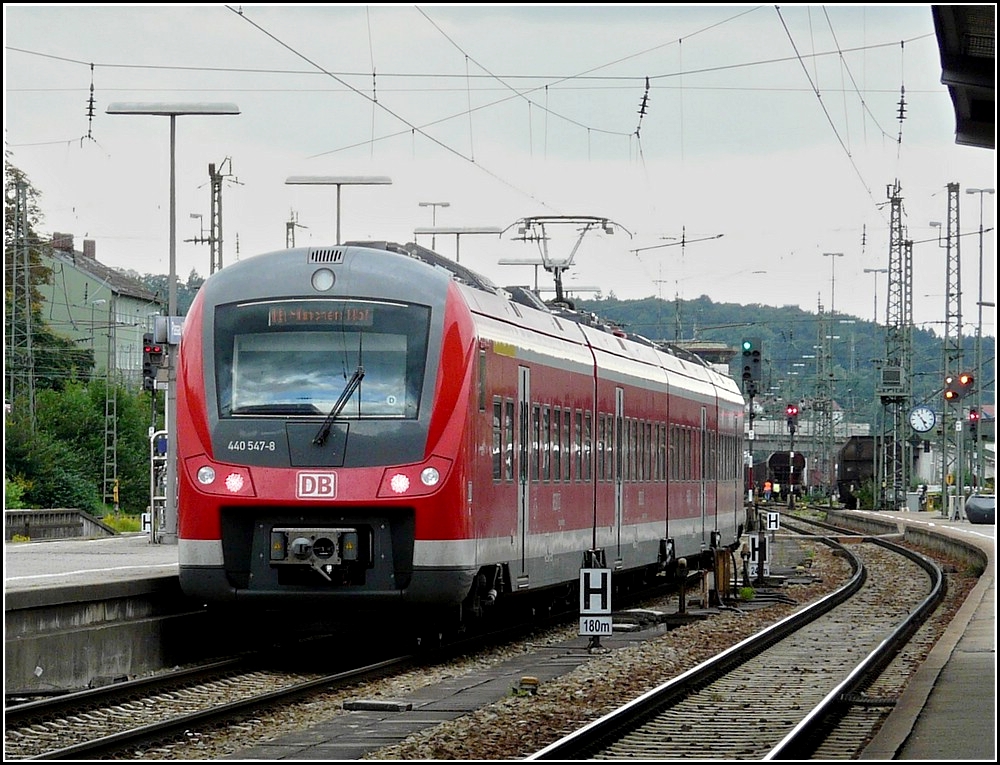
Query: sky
[(741, 152)]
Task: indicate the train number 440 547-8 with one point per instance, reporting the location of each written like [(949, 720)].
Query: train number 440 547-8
[(252, 446)]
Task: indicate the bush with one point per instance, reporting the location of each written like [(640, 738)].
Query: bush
[(13, 490), (58, 461), (123, 522)]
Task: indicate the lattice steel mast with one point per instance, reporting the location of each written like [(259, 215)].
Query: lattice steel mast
[(952, 345), (823, 402), (111, 409), (19, 364), (895, 381)]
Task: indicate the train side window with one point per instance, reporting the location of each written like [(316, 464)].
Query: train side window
[(567, 458), (556, 444), (624, 437), (578, 444), (640, 450), (600, 447), (586, 447), (633, 452), (508, 424), (613, 446), (661, 450), (673, 452), (637, 450), (625, 441), (497, 438), (546, 444), (713, 449), (682, 455), (603, 447), (688, 457), (640, 469), (648, 460), (536, 438), (643, 467)]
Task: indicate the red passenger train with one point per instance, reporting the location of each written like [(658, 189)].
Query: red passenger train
[(372, 424)]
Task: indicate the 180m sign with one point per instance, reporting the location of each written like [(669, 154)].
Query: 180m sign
[(595, 625)]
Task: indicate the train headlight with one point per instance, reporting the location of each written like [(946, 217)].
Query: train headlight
[(323, 279), (415, 480), (201, 473)]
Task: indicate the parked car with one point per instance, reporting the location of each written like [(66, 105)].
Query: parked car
[(980, 508)]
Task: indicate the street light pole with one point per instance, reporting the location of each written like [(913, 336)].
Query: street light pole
[(832, 273), (172, 110), (434, 206), (93, 325), (338, 181), (458, 231), (979, 340), (876, 271)]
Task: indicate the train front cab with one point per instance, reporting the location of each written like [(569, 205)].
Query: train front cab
[(405, 546)]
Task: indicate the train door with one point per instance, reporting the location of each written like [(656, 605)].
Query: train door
[(703, 475), (523, 464), (619, 456)]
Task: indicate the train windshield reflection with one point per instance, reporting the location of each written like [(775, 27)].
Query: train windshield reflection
[(295, 358)]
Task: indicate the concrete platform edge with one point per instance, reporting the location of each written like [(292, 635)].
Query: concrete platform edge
[(888, 743)]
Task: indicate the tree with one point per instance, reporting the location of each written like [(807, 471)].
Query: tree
[(61, 462)]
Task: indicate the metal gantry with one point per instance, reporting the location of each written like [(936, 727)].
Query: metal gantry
[(895, 384)]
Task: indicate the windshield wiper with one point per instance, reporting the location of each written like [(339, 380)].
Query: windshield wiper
[(352, 385)]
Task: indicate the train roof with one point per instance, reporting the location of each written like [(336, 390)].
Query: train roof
[(525, 296)]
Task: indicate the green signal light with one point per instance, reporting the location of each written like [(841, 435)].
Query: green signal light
[(747, 345)]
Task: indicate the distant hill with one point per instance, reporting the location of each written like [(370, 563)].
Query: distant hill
[(788, 337)]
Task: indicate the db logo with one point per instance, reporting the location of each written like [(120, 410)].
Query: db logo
[(316, 486)]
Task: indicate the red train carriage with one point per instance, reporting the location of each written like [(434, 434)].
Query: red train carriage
[(373, 424)]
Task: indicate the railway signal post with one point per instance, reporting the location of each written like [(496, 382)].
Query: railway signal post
[(750, 376), (792, 411)]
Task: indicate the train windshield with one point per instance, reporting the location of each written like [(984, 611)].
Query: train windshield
[(296, 357)]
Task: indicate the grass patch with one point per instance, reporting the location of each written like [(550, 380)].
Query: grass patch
[(123, 522)]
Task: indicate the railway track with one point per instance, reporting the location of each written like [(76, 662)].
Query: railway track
[(101, 722), (174, 739), (813, 685), (157, 711)]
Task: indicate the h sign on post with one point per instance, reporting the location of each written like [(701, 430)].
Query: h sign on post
[(595, 601)]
